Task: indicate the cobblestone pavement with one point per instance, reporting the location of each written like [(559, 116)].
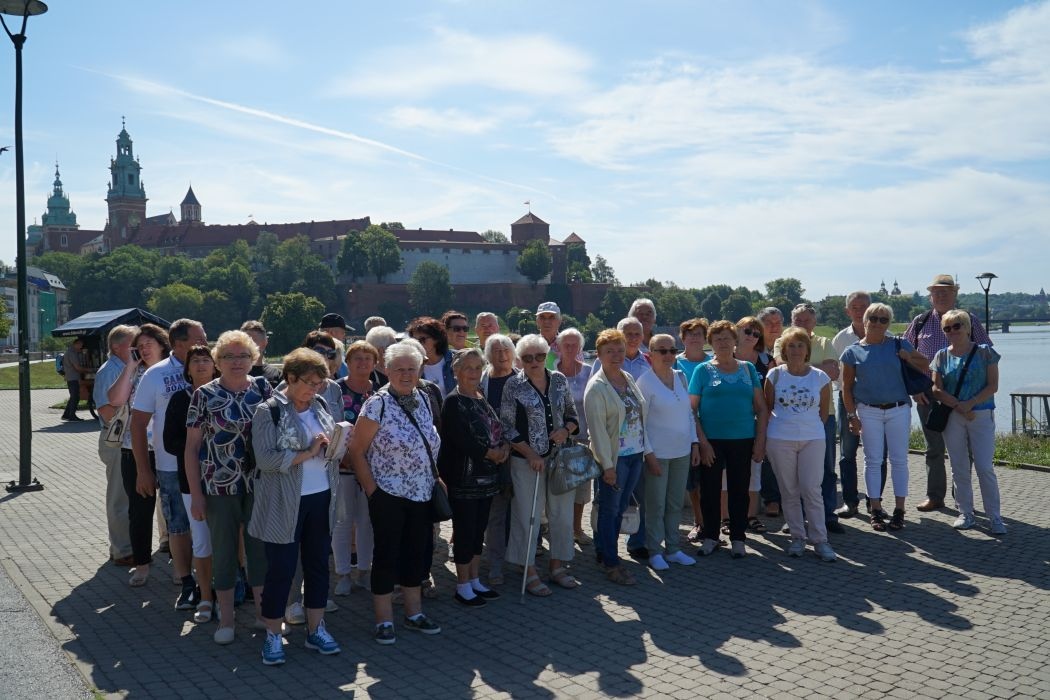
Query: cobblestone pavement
[(927, 612)]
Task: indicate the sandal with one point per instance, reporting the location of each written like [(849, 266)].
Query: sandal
[(897, 521), (138, 578), (755, 525), (620, 575), (563, 578), (696, 534), (725, 526), (204, 611), (878, 520), (534, 586)]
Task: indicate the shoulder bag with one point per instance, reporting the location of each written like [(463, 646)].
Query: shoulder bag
[(117, 426), (440, 507), (915, 382), (937, 420), (573, 466)]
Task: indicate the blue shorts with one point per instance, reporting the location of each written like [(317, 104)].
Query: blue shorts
[(171, 504)]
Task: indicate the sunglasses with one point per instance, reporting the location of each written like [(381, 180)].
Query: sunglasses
[(459, 329), (952, 327), (752, 333), (879, 319), (538, 357), (328, 353), (664, 351)]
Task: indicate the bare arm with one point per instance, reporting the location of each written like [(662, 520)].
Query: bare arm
[(364, 432)]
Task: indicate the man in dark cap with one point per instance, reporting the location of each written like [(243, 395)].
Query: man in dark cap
[(335, 326)]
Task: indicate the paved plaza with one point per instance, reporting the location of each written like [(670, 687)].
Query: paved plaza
[(927, 612)]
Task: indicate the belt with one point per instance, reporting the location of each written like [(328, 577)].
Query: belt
[(887, 406)]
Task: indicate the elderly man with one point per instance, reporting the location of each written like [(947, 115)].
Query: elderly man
[(374, 322), (548, 320), (119, 342), (773, 324), (485, 324), (822, 356), (257, 332), (645, 311), (72, 370), (335, 326), (856, 304), (926, 335)]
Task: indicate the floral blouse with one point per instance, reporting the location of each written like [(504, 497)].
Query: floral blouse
[(530, 415), (398, 456), (225, 420)]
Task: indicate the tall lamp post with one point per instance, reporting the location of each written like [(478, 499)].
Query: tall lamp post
[(26, 482), (985, 280)]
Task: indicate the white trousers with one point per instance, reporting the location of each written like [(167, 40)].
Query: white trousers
[(352, 522), (979, 436), (885, 430), (799, 467)]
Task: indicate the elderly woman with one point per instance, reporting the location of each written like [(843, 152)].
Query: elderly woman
[(772, 321), (330, 349), (538, 416), (437, 368), (570, 341), (971, 425), (499, 353), (456, 328), (727, 394), (472, 448), (151, 345), (353, 530), (295, 500), (799, 400), (693, 334), (645, 311), (616, 416), (380, 337), (199, 370), (393, 452), (878, 408), (673, 435), (220, 471), (751, 347)]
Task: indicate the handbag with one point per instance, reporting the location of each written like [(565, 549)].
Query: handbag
[(118, 425), (915, 382), (573, 466), (632, 519), (940, 412), (440, 506)]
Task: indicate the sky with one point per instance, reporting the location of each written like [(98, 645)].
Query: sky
[(841, 143)]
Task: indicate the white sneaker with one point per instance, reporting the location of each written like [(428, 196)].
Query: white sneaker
[(824, 551), (223, 636), (964, 522), (331, 606), (345, 585), (656, 561), (797, 547), (294, 614), (998, 527), (680, 557)]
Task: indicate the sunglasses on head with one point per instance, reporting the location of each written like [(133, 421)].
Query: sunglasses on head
[(879, 319), (952, 327), (664, 351), (751, 332), (326, 352), (538, 357)]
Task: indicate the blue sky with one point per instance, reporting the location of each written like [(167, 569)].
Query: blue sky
[(699, 142)]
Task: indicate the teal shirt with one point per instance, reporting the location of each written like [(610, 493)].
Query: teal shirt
[(949, 367), (726, 400)]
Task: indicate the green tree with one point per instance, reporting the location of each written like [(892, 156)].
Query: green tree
[(711, 307), (514, 316), (238, 284), (578, 263), (614, 305), (236, 252), (736, 307), (591, 327), (5, 322), (534, 262), (429, 289), (219, 313), (264, 250), (118, 280), (602, 272), (675, 306), (787, 287), (392, 226), (831, 311), (353, 257), (66, 266), (384, 253), (289, 317), (493, 236), (177, 268), (176, 300)]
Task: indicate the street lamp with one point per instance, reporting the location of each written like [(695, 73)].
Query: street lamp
[(985, 280), (26, 482)]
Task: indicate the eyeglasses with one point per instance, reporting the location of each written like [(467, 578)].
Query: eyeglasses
[(233, 358), (952, 327), (664, 351), (329, 353), (316, 386), (879, 319), (459, 329), (538, 357), (752, 333)]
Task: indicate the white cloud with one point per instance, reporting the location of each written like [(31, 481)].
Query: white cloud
[(440, 120), (529, 64)]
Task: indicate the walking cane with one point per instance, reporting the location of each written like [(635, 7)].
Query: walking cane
[(530, 553)]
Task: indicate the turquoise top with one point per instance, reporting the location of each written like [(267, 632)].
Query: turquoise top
[(949, 367), (726, 400)]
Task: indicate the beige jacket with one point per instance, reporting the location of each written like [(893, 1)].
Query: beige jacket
[(605, 414)]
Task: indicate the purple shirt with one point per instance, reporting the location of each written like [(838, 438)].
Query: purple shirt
[(932, 338)]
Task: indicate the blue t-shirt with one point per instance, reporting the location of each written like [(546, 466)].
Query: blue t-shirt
[(949, 367), (880, 379), (688, 366), (726, 400)]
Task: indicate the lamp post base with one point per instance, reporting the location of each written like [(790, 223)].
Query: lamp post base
[(35, 485)]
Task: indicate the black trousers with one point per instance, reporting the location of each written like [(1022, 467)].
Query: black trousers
[(140, 509), (470, 517), (74, 398), (401, 528), (311, 546), (734, 457)]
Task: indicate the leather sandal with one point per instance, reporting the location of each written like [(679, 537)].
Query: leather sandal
[(563, 578), (620, 575), (138, 578), (534, 586)]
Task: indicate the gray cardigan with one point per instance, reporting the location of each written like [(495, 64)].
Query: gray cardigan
[(278, 484)]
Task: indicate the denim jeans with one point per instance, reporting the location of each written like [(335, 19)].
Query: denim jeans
[(612, 502)]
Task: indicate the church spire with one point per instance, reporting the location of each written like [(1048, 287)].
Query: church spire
[(58, 211), (190, 208)]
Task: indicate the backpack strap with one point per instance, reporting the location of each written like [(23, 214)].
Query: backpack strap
[(922, 324)]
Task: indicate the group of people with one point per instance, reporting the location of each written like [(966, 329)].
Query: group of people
[(255, 496)]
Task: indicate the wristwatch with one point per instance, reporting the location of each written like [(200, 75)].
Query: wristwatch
[(850, 416)]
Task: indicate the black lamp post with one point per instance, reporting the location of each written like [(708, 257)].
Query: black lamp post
[(985, 280), (26, 482)]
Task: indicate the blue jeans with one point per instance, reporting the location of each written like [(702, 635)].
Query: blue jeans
[(612, 502), (770, 489), (828, 491), (849, 444)]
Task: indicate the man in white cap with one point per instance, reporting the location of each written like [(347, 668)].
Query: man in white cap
[(926, 335), (548, 320)]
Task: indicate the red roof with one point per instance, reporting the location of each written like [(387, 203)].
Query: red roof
[(192, 235), (573, 238)]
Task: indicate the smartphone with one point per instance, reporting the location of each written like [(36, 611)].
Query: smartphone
[(135, 355)]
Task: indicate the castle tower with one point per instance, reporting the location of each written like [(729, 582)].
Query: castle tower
[(530, 228), (191, 208), (58, 213), (127, 195)]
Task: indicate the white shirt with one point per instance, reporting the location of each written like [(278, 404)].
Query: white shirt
[(842, 340), (315, 473), (669, 423), (436, 373), (796, 404), (160, 382)]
